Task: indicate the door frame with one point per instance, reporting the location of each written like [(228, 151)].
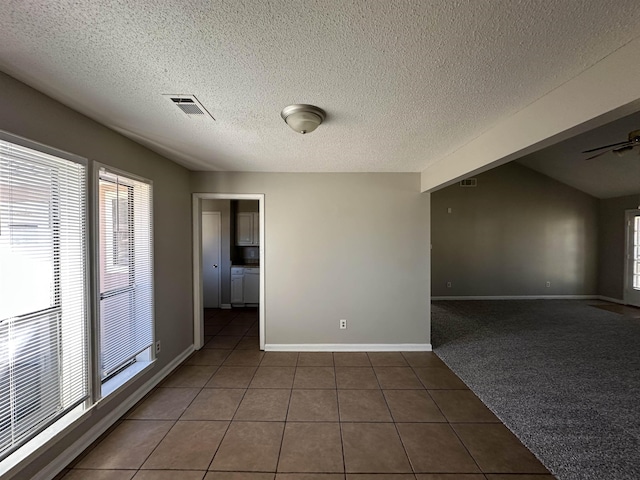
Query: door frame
[(629, 216), (198, 321), (219, 216)]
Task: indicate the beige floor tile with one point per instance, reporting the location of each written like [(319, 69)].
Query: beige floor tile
[(434, 447), (351, 359), (439, 378), (356, 378), (128, 446), (315, 377), (490, 476), (223, 342), (169, 475), (373, 448), (310, 476), (253, 332), (412, 406), (363, 406), (195, 376), (234, 330), (311, 447), (244, 358), (423, 359), (313, 406), (231, 377), (397, 378), (496, 449), (188, 445), (315, 359), (249, 447), (451, 476), (273, 377), (99, 475), (208, 356), (378, 476), (279, 359), (387, 359), (214, 404), (249, 343), (264, 405), (164, 404), (239, 476), (460, 406)]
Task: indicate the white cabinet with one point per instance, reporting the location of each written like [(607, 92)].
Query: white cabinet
[(245, 286), (237, 285), (248, 229), (251, 285)]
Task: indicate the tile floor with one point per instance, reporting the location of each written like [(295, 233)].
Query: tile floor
[(232, 412)]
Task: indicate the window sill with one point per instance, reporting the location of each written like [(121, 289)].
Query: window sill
[(124, 378)]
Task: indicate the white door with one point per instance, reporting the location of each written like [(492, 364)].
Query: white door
[(211, 259), (632, 269)]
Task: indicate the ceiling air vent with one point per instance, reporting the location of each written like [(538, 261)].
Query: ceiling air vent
[(469, 182), (189, 105)]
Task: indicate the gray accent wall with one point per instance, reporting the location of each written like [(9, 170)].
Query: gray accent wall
[(30, 114), (511, 234), (611, 253), (349, 246)]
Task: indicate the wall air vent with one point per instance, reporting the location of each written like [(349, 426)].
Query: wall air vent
[(189, 105), (469, 182)]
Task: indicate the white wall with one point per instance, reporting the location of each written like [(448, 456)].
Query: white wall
[(352, 246), (30, 114)]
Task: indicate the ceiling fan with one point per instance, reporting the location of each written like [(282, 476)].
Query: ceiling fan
[(619, 148)]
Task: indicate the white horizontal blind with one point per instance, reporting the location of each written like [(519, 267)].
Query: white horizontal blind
[(125, 276), (43, 320)]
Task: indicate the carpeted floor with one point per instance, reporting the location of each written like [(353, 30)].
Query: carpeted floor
[(564, 376)]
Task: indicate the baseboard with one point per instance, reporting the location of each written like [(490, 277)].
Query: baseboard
[(348, 347), (67, 456), (520, 297), (225, 306)]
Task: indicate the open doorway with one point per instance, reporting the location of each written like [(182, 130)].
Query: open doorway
[(632, 267), (247, 245)]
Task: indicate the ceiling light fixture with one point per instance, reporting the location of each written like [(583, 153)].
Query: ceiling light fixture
[(303, 118)]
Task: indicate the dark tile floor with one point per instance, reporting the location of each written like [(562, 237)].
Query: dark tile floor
[(232, 412)]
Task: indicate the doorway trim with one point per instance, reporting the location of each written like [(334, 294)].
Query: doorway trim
[(198, 321), (630, 296)]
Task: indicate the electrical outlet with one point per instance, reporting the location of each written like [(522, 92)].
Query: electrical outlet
[(343, 324), (157, 347), (448, 284), (548, 284)]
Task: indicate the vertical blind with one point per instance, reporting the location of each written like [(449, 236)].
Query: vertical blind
[(125, 270), (43, 311)]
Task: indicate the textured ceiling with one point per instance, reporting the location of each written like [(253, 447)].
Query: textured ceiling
[(607, 176), (403, 82)]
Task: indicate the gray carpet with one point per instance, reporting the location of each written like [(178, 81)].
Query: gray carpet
[(562, 375)]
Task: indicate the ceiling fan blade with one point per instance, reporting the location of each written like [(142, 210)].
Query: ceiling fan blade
[(598, 154), (609, 146)]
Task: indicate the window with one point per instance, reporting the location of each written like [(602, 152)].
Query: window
[(43, 319), (125, 271)]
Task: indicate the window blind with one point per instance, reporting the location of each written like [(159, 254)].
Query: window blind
[(125, 270), (43, 311)]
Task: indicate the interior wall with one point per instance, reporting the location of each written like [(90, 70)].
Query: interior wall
[(224, 207), (515, 231), (340, 246), (611, 252), (30, 114)]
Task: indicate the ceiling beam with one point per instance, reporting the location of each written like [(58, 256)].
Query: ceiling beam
[(604, 92)]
